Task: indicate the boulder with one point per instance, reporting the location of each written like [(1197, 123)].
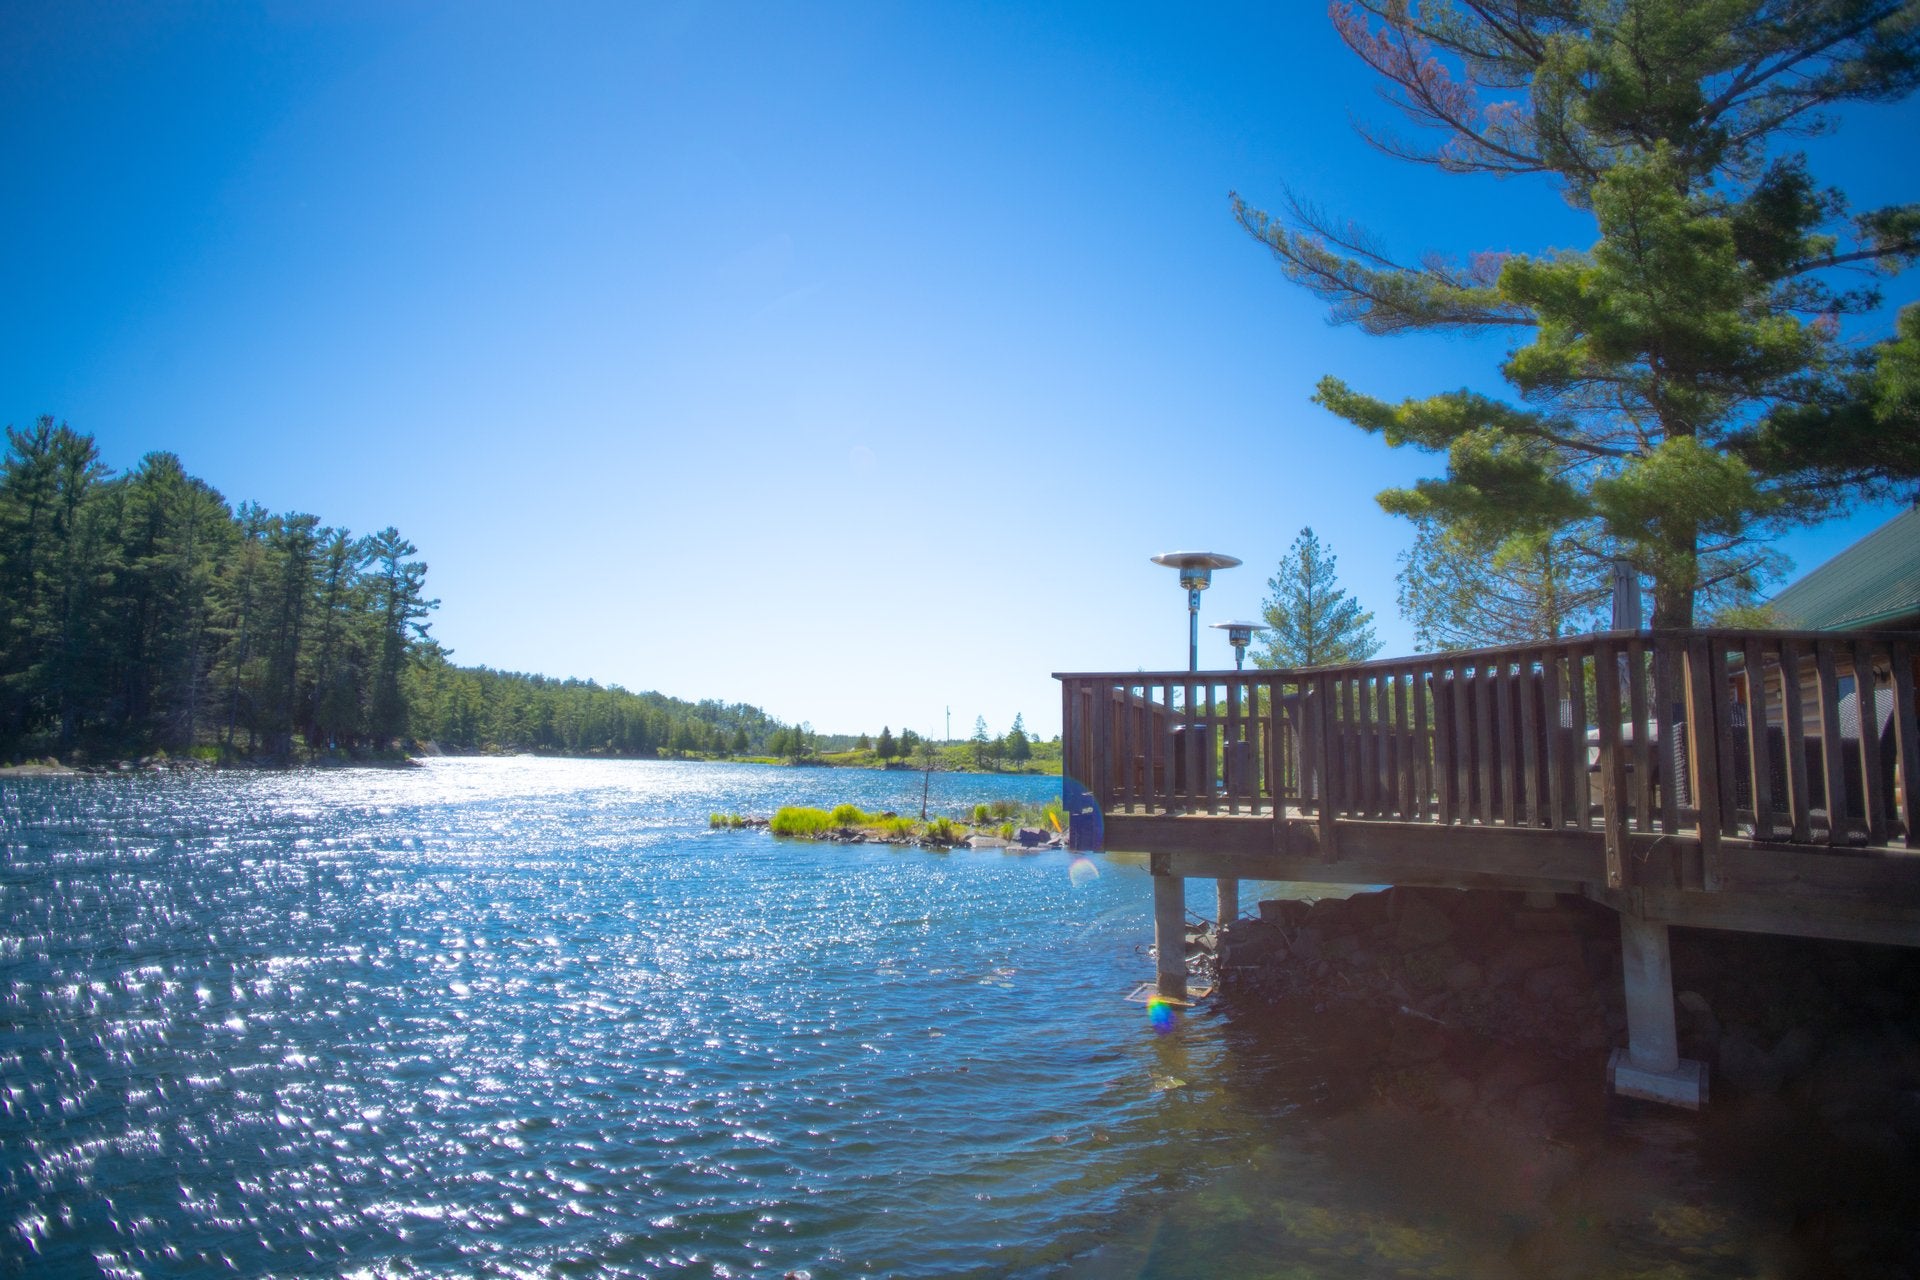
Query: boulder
[(1288, 912), (1745, 1063), (1421, 924)]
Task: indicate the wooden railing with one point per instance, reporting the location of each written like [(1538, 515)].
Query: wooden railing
[(1804, 738)]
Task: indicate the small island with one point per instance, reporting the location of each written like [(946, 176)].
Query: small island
[(995, 825)]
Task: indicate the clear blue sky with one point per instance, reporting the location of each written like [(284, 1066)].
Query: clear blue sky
[(848, 359)]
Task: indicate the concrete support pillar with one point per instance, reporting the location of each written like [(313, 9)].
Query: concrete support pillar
[(1651, 1066), (1229, 901), (1170, 935)]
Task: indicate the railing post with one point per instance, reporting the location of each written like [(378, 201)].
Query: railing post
[(1906, 729), (1836, 778), (1703, 754), (1866, 699), (1323, 732), (1606, 716)]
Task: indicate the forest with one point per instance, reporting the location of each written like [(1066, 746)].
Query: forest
[(141, 613)]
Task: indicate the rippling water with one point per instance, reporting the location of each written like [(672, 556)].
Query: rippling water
[(530, 1018)]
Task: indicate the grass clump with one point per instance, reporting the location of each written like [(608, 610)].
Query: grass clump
[(897, 828), (942, 831), (848, 815), (800, 820), (726, 821)]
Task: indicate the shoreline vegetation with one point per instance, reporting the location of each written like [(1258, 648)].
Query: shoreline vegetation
[(950, 758), (999, 824), (148, 623)]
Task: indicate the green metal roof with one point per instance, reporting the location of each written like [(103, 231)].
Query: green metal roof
[(1874, 581)]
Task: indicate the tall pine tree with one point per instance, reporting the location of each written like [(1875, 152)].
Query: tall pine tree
[(1685, 388), (1313, 621)]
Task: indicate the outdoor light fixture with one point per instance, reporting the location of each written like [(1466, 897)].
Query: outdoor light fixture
[(1196, 574), (1239, 635)]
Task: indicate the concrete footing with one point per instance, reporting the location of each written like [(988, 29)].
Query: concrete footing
[(1650, 1066), (1683, 1086)]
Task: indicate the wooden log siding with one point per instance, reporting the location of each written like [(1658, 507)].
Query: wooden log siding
[(1788, 738)]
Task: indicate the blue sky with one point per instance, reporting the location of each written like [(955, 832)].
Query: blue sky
[(848, 360)]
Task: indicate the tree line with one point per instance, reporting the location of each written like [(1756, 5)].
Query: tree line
[(141, 612)]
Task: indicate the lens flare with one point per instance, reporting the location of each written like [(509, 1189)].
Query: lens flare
[(1163, 1014), (1081, 872)]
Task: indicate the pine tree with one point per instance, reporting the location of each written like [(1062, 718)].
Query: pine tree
[(397, 587), (886, 748), (1685, 390), (1018, 748), (1460, 593), (1312, 619)]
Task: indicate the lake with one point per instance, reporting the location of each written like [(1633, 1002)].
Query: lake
[(529, 1017)]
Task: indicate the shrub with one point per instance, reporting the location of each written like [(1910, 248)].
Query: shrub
[(848, 815), (799, 820)]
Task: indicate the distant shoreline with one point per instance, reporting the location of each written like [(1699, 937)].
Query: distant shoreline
[(53, 768)]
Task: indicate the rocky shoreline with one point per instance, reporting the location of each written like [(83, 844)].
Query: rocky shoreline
[(1477, 996)]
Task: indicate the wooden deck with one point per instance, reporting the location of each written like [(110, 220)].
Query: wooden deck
[(1763, 781)]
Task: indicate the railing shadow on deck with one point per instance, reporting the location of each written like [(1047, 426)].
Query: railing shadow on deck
[(1792, 738)]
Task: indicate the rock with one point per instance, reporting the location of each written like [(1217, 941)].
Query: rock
[(1345, 950), (1745, 1065), (1454, 1093), (1699, 1029), (1029, 837), (1794, 1052), (1524, 955), (1289, 912), (1503, 1078), (1418, 1040), (1542, 984), (1544, 1106), (1369, 910), (1421, 924), (1550, 920), (1333, 916)]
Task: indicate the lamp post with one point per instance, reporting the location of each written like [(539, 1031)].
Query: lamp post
[(1239, 635), (1196, 575)]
